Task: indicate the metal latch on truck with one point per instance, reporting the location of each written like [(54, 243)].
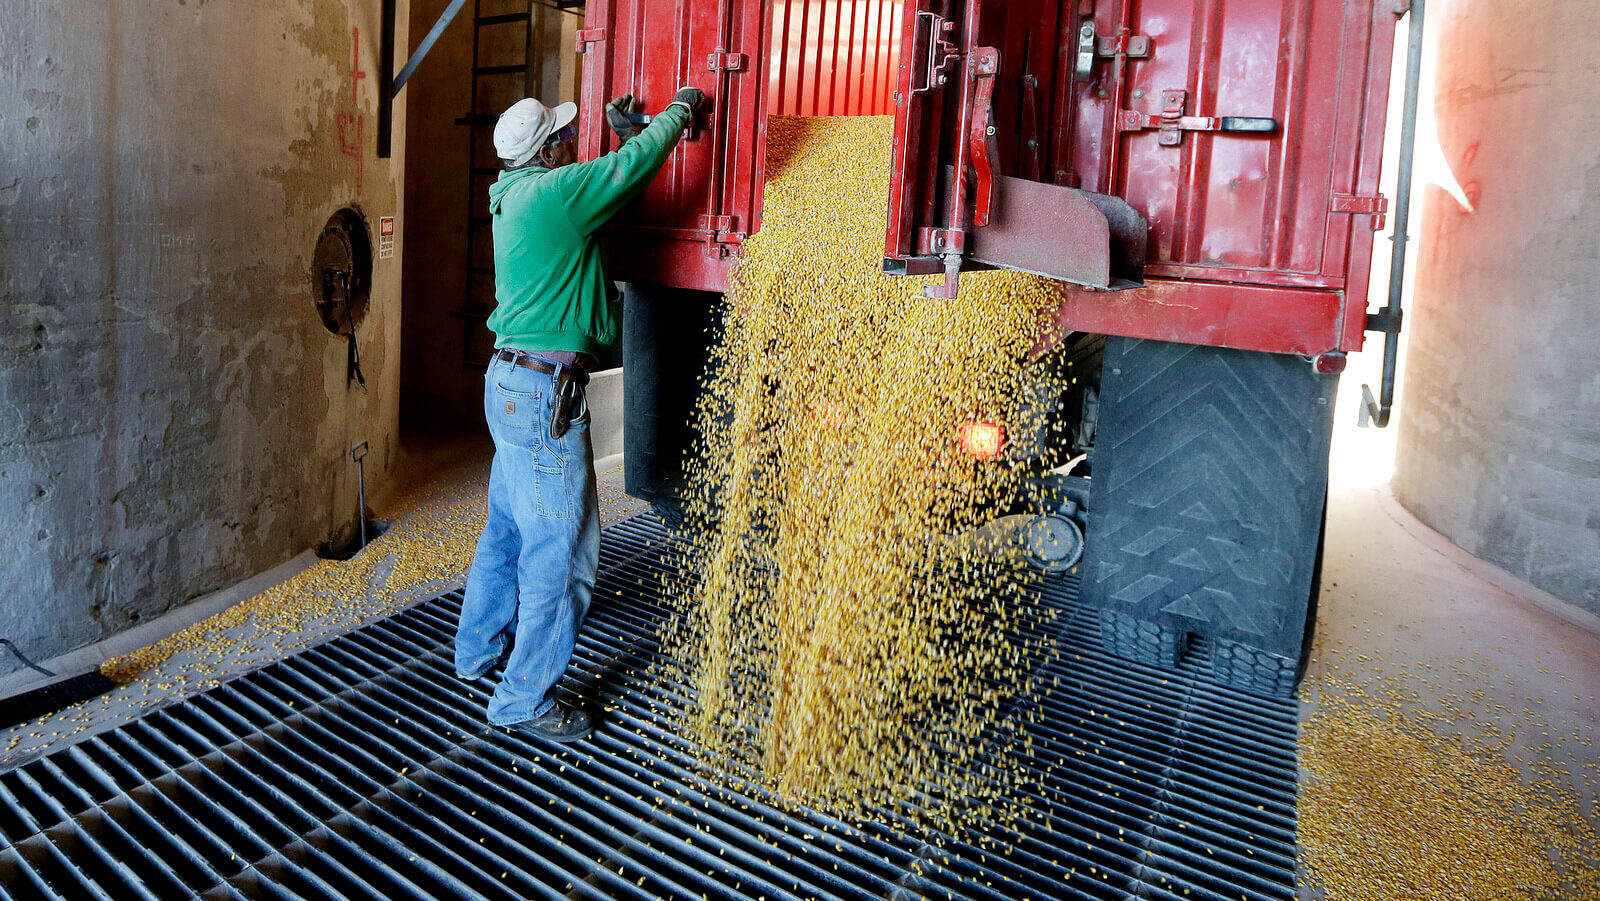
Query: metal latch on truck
[(1172, 122), (990, 219)]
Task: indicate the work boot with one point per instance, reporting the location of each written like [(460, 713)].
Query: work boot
[(559, 723)]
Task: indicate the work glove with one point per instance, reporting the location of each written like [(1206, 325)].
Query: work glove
[(690, 99), (618, 116)]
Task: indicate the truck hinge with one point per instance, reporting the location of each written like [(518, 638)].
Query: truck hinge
[(1133, 46), (1389, 323), (941, 241), (1092, 47), (722, 235), (1375, 205), (932, 57), (726, 62), (589, 36)]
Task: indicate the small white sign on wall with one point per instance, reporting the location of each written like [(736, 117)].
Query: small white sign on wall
[(386, 238)]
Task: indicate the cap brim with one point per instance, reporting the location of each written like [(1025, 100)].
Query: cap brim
[(564, 114)]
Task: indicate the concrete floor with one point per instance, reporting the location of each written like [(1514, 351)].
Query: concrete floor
[(1462, 648), (1493, 679), (1404, 613)]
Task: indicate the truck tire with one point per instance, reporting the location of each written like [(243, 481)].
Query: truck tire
[(672, 514), (1210, 481), (1243, 667)]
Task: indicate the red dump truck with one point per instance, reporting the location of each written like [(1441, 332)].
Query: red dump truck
[(1200, 175)]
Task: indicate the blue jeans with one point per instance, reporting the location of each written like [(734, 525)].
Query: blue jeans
[(534, 570)]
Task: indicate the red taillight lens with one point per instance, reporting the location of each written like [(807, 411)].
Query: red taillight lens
[(828, 413), (1330, 363), (982, 439)]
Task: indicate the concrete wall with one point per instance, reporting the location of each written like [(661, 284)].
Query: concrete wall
[(444, 354), (173, 415), (1499, 440)]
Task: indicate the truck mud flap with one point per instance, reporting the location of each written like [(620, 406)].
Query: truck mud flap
[(361, 768), (1211, 473)]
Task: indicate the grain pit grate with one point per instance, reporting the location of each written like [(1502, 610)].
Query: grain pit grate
[(361, 768)]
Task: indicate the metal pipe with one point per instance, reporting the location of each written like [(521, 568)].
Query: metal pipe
[(428, 41), (1377, 412), (955, 206), (1119, 77), (955, 212), (357, 454), (721, 115)]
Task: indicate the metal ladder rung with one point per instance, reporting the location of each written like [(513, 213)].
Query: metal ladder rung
[(503, 18), (472, 318)]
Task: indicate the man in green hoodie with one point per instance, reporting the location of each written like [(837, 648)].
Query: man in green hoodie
[(556, 309)]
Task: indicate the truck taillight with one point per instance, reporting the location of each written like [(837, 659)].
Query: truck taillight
[(982, 439), (828, 413), (1330, 363)]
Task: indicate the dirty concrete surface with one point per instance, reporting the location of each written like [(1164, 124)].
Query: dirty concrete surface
[(1495, 677), (1499, 426), (437, 515), (173, 415)]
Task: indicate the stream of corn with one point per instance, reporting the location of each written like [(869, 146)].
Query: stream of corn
[(844, 634)]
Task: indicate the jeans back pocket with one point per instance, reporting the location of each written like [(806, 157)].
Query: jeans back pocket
[(517, 406)]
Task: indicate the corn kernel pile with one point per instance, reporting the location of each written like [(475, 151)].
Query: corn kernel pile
[(845, 634), (429, 545), (427, 549), (1391, 810)]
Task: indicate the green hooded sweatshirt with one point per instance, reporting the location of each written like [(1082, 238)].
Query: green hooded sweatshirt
[(551, 285)]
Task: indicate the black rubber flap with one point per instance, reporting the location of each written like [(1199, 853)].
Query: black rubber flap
[(48, 699), (361, 768), (1210, 471)]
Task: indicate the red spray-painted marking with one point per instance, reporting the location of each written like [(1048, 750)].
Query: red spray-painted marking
[(350, 130), (352, 124), (356, 74)]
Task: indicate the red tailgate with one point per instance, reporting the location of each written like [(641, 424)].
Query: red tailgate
[(1132, 102), (1258, 240)]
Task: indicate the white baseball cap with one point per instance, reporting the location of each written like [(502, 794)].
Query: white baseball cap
[(524, 128)]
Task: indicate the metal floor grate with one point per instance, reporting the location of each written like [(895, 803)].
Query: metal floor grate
[(361, 768)]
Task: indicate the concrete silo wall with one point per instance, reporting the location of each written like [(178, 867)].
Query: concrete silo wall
[(1499, 435), (173, 414)]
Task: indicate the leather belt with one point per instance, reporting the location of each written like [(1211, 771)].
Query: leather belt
[(528, 361)]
